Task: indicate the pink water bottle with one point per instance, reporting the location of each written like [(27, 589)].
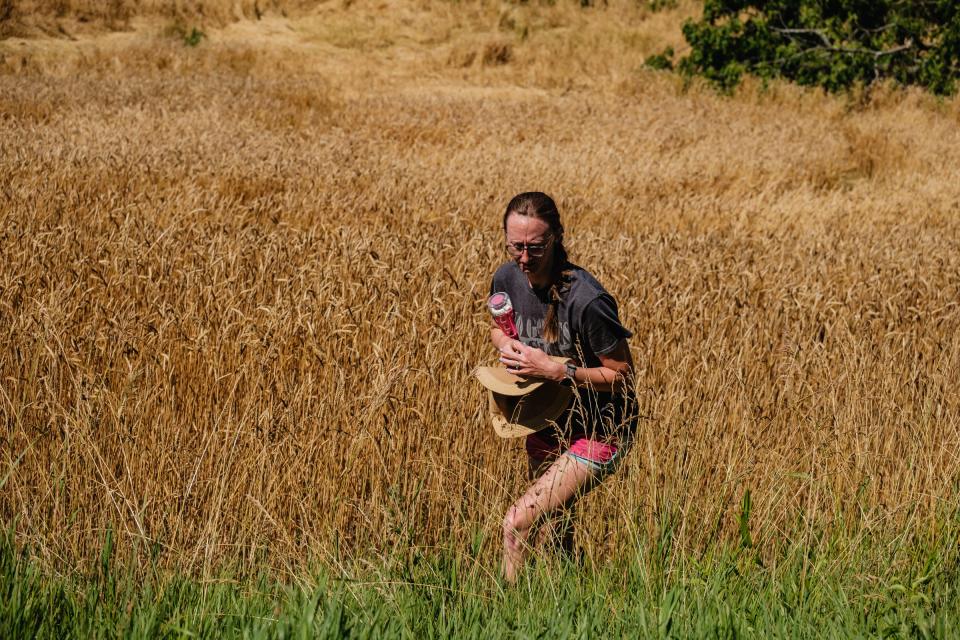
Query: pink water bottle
[(502, 310)]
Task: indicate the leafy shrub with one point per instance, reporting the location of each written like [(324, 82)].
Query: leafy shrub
[(662, 5), (189, 36), (661, 61), (834, 44), (193, 38)]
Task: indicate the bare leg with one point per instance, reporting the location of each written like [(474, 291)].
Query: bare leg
[(555, 531), (563, 481)]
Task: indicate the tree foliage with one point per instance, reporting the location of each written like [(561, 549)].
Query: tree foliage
[(830, 43)]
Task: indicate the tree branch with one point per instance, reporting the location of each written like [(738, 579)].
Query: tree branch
[(831, 47), (806, 32)]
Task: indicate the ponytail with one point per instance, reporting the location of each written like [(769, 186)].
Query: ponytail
[(560, 285)]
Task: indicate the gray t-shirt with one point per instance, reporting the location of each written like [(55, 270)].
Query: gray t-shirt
[(588, 322), (589, 326)]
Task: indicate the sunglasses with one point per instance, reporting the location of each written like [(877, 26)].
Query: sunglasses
[(516, 249)]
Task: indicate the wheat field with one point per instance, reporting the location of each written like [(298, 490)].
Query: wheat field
[(242, 282)]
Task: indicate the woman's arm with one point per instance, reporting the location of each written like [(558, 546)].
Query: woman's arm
[(612, 375), (615, 372)]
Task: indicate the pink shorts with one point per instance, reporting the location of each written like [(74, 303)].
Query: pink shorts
[(601, 456)]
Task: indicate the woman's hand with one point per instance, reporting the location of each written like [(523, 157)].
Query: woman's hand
[(530, 361)]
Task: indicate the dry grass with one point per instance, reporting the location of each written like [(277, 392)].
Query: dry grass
[(72, 18), (241, 285)]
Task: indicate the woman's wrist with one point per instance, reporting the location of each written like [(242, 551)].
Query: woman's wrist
[(559, 371)]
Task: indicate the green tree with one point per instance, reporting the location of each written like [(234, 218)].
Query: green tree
[(830, 43)]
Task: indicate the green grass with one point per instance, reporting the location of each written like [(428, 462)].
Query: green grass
[(842, 586)]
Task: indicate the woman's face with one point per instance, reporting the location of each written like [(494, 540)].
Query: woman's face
[(526, 231)]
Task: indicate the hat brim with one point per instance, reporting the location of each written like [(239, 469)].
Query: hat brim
[(514, 416), (501, 380)]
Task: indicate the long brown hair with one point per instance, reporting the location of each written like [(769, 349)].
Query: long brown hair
[(541, 206)]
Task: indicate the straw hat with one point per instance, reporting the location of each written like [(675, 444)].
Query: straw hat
[(519, 405)]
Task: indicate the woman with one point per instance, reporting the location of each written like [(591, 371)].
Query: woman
[(561, 310)]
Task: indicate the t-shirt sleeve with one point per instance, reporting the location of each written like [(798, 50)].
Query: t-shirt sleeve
[(601, 324)]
